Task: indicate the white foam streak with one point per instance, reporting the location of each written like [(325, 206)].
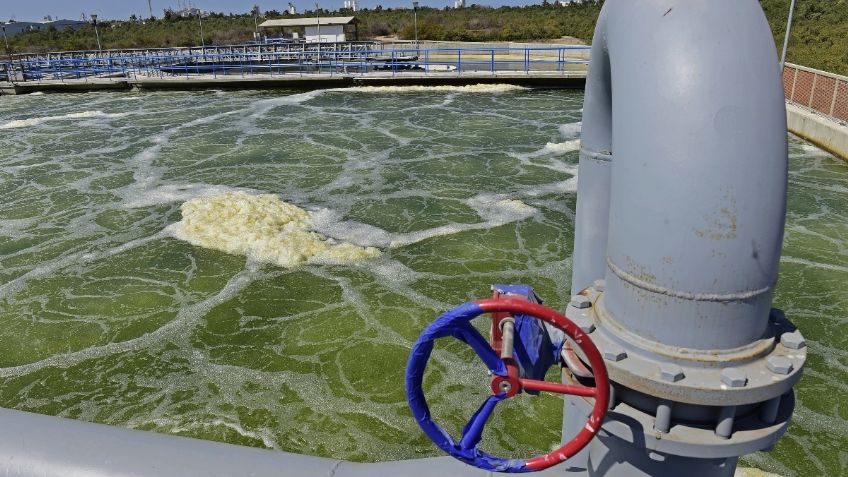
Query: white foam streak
[(474, 88), (29, 122), (185, 319), (571, 130), (494, 209), (810, 263), (166, 194), (263, 106), (558, 148)]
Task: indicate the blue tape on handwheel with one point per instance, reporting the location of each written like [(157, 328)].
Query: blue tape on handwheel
[(456, 323)]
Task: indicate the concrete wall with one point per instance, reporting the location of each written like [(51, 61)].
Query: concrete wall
[(329, 33), (819, 130)]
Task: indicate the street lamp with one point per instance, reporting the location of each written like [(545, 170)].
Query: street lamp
[(96, 33), (786, 38), (318, 20), (6, 40), (200, 19), (415, 21), (255, 12), (9, 53)]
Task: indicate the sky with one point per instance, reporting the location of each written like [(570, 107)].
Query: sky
[(35, 10)]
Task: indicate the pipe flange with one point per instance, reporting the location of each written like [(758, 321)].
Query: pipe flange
[(749, 435), (756, 373)]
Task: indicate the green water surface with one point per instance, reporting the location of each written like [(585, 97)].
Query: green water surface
[(104, 317)]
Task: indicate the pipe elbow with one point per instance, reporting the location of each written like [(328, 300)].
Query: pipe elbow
[(698, 185)]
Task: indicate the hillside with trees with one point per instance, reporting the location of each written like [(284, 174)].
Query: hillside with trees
[(819, 34)]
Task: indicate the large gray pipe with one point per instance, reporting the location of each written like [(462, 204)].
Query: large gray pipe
[(45, 446), (697, 192), (680, 207), (593, 179)]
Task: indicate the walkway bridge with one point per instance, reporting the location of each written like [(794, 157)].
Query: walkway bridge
[(288, 61)]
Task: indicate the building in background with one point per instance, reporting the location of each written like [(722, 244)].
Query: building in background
[(331, 29), (14, 28), (351, 5), (459, 4)]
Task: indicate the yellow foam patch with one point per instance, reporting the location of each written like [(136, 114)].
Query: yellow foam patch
[(262, 227)]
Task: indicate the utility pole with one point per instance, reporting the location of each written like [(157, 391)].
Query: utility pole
[(786, 38), (200, 19), (318, 19), (93, 17), (9, 75), (415, 21), (150, 7), (255, 12), (6, 41)]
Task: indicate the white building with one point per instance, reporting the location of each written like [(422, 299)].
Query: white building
[(459, 4), (351, 5), (13, 28), (187, 12), (332, 29)]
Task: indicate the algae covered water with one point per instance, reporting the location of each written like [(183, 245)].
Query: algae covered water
[(253, 267)]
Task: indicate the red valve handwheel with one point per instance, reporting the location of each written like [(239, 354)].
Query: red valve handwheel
[(506, 383)]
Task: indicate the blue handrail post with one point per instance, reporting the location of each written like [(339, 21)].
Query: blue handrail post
[(493, 61), (458, 62)]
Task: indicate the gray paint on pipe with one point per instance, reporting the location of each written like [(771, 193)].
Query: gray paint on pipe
[(45, 446), (698, 186), (593, 176), (685, 97)]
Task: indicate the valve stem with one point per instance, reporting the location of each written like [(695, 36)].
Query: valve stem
[(508, 333)]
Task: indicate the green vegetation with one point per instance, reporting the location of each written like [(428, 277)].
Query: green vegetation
[(819, 32), (819, 35)]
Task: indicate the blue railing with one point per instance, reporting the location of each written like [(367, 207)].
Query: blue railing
[(310, 59)]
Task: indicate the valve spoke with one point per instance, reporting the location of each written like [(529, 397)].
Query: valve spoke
[(534, 385), (483, 349), (473, 431)]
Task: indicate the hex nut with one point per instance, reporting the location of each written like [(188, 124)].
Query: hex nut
[(734, 377), (793, 340), (779, 365), (580, 302), (671, 372), (585, 324), (616, 354), (600, 284)]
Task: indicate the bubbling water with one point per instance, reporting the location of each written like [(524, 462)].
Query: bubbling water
[(263, 228), (108, 314)]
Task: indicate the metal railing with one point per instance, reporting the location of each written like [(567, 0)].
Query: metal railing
[(818, 91), (296, 59)]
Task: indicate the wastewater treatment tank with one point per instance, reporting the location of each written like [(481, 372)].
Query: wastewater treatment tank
[(120, 306)]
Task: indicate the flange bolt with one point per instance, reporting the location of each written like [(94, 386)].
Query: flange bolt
[(671, 372), (615, 354), (793, 340), (734, 377), (779, 365)]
